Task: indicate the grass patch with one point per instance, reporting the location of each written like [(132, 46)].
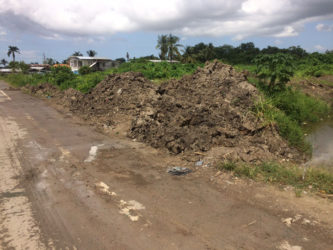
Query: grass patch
[(318, 179), (157, 71), (249, 67), (20, 79), (289, 109), (300, 107)]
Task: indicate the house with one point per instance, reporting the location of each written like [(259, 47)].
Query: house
[(98, 63)]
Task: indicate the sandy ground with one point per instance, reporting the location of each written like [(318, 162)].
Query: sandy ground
[(63, 185)]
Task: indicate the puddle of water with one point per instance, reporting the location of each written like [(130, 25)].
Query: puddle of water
[(321, 139)]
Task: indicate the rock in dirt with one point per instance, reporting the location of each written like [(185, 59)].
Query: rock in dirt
[(179, 171)]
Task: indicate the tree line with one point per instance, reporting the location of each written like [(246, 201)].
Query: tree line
[(245, 53)]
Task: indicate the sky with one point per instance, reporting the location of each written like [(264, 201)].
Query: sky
[(114, 27)]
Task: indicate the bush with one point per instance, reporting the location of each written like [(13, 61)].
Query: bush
[(62, 76), (85, 70), (276, 68), (89, 81)]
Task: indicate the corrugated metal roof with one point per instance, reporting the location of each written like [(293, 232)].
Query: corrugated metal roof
[(90, 58)]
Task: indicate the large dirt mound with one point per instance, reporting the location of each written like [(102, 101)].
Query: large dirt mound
[(210, 109)]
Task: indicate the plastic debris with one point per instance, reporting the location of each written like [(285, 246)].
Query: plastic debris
[(199, 163), (179, 171)]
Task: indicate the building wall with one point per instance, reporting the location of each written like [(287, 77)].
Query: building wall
[(76, 64)]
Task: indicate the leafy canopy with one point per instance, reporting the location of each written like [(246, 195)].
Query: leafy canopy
[(274, 70)]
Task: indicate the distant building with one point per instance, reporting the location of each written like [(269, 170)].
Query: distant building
[(5, 70), (158, 61), (39, 68), (98, 63)]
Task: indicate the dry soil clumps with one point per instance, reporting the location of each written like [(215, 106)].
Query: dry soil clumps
[(211, 110)]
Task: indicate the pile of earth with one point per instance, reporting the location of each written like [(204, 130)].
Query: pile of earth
[(211, 109)]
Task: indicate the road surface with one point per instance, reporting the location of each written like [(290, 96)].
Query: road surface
[(63, 185)]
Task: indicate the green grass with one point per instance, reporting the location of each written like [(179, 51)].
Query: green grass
[(19, 79), (289, 109), (270, 172), (249, 67), (157, 71), (308, 69), (300, 107)]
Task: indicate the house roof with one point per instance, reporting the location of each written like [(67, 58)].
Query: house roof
[(90, 58)]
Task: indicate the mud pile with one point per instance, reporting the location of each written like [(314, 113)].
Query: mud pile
[(211, 109), (117, 94)]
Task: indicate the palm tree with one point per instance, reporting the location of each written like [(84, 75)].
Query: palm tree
[(12, 50), (77, 53), (162, 44), (173, 46), (3, 62), (91, 53)]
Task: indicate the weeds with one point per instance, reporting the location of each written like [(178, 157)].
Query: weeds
[(289, 109), (154, 71), (270, 172)]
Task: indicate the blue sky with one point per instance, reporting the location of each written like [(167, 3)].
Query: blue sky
[(112, 28)]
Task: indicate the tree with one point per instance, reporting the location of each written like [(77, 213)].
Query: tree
[(120, 60), (3, 62), (278, 69), (14, 65), (12, 50), (173, 46), (77, 53), (162, 44), (49, 61), (91, 53), (24, 67)]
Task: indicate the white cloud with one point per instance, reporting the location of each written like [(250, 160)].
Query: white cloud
[(324, 27), (287, 31), (238, 18), (2, 32), (319, 47), (29, 55), (278, 42)]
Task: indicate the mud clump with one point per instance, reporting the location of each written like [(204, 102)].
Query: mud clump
[(209, 111)]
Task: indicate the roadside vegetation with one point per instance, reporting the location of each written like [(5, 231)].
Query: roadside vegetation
[(312, 179)]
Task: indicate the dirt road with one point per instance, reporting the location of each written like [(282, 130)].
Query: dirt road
[(63, 185)]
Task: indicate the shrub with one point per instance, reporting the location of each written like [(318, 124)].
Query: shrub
[(276, 68), (62, 76), (85, 70)]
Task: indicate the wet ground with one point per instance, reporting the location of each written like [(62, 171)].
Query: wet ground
[(63, 185)]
